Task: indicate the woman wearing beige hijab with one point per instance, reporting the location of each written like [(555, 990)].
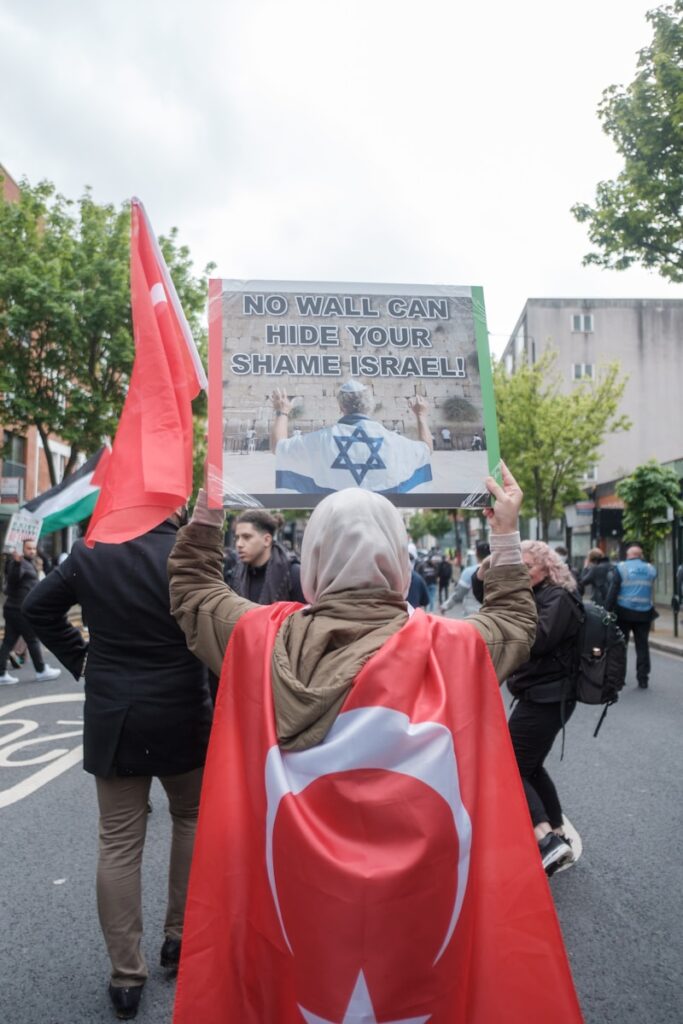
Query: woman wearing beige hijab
[(364, 850), (355, 572)]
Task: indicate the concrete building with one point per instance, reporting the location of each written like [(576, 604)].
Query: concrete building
[(645, 336)]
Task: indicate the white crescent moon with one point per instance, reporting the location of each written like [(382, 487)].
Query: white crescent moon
[(374, 737)]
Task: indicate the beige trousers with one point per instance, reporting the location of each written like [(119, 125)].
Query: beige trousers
[(123, 822)]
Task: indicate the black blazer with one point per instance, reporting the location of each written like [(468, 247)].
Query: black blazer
[(147, 704)]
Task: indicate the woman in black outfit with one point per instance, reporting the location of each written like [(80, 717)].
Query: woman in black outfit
[(544, 693)]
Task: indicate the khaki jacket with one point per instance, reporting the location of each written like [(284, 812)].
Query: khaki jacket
[(207, 610)]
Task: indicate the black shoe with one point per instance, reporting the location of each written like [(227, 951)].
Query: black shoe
[(170, 954), (555, 851), (125, 1001), (642, 684)]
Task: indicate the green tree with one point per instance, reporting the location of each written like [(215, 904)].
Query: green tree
[(648, 494), (549, 438), (66, 338), (430, 522), (637, 217)]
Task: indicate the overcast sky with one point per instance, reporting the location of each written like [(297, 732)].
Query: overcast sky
[(363, 140)]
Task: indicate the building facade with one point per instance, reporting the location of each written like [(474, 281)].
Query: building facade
[(645, 337)]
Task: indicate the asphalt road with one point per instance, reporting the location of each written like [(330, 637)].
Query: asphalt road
[(620, 907)]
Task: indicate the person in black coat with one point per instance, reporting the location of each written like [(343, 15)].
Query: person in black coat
[(545, 695), (147, 713), (597, 575), (445, 577), (22, 577)]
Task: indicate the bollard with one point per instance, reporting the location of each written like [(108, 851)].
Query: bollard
[(675, 608)]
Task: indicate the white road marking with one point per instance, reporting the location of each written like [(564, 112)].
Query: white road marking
[(61, 760)]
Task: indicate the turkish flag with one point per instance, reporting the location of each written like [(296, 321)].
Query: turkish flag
[(150, 471), (389, 874)]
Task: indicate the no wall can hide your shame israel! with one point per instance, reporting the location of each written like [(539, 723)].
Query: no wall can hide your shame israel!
[(316, 387)]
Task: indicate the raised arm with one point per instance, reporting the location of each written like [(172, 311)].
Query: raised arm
[(507, 618), (279, 427), (204, 606), (420, 407)]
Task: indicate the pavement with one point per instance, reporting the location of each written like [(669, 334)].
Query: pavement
[(662, 636)]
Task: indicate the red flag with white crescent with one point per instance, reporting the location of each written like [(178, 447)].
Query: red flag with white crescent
[(387, 876), (149, 473)]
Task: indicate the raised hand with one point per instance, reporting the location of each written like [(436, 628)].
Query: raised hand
[(504, 517)]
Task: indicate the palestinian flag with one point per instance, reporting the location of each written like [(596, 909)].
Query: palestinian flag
[(74, 499)]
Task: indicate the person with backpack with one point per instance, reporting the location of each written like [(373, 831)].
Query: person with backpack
[(597, 575), (544, 692)]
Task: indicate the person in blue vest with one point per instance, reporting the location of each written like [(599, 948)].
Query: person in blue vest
[(631, 596)]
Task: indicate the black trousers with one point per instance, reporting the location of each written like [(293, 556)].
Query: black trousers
[(533, 728), (641, 635), (15, 626)]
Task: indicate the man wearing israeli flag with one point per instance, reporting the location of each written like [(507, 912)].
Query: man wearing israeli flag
[(357, 451)]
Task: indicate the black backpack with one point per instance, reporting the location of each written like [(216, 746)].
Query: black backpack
[(599, 669)]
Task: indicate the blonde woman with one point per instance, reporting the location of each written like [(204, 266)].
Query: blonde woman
[(544, 692)]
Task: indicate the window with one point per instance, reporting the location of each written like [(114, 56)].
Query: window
[(14, 460), (582, 322), (583, 371), (591, 474)]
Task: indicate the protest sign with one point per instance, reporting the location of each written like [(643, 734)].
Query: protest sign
[(317, 387), (22, 526)]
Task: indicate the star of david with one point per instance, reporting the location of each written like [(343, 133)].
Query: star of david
[(360, 1009), (358, 470)]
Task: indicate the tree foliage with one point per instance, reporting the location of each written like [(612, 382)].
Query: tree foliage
[(648, 493), (637, 217), (550, 438), (66, 337), (430, 522)]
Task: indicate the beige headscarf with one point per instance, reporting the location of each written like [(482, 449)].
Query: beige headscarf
[(354, 539), (355, 571)]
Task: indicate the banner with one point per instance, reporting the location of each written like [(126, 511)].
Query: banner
[(317, 387), (22, 526)]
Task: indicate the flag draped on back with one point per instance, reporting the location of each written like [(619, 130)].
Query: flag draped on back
[(390, 873), (150, 471)]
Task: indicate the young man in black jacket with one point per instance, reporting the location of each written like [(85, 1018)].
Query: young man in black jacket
[(265, 572), (147, 713)]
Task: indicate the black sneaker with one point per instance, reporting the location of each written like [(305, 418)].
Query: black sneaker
[(555, 851)]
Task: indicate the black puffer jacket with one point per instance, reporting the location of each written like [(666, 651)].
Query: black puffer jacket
[(545, 677)]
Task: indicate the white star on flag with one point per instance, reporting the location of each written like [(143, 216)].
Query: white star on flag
[(360, 1010)]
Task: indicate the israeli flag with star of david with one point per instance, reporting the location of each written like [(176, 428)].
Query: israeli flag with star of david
[(356, 451)]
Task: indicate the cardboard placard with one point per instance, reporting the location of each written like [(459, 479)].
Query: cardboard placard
[(317, 387), (22, 526)]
